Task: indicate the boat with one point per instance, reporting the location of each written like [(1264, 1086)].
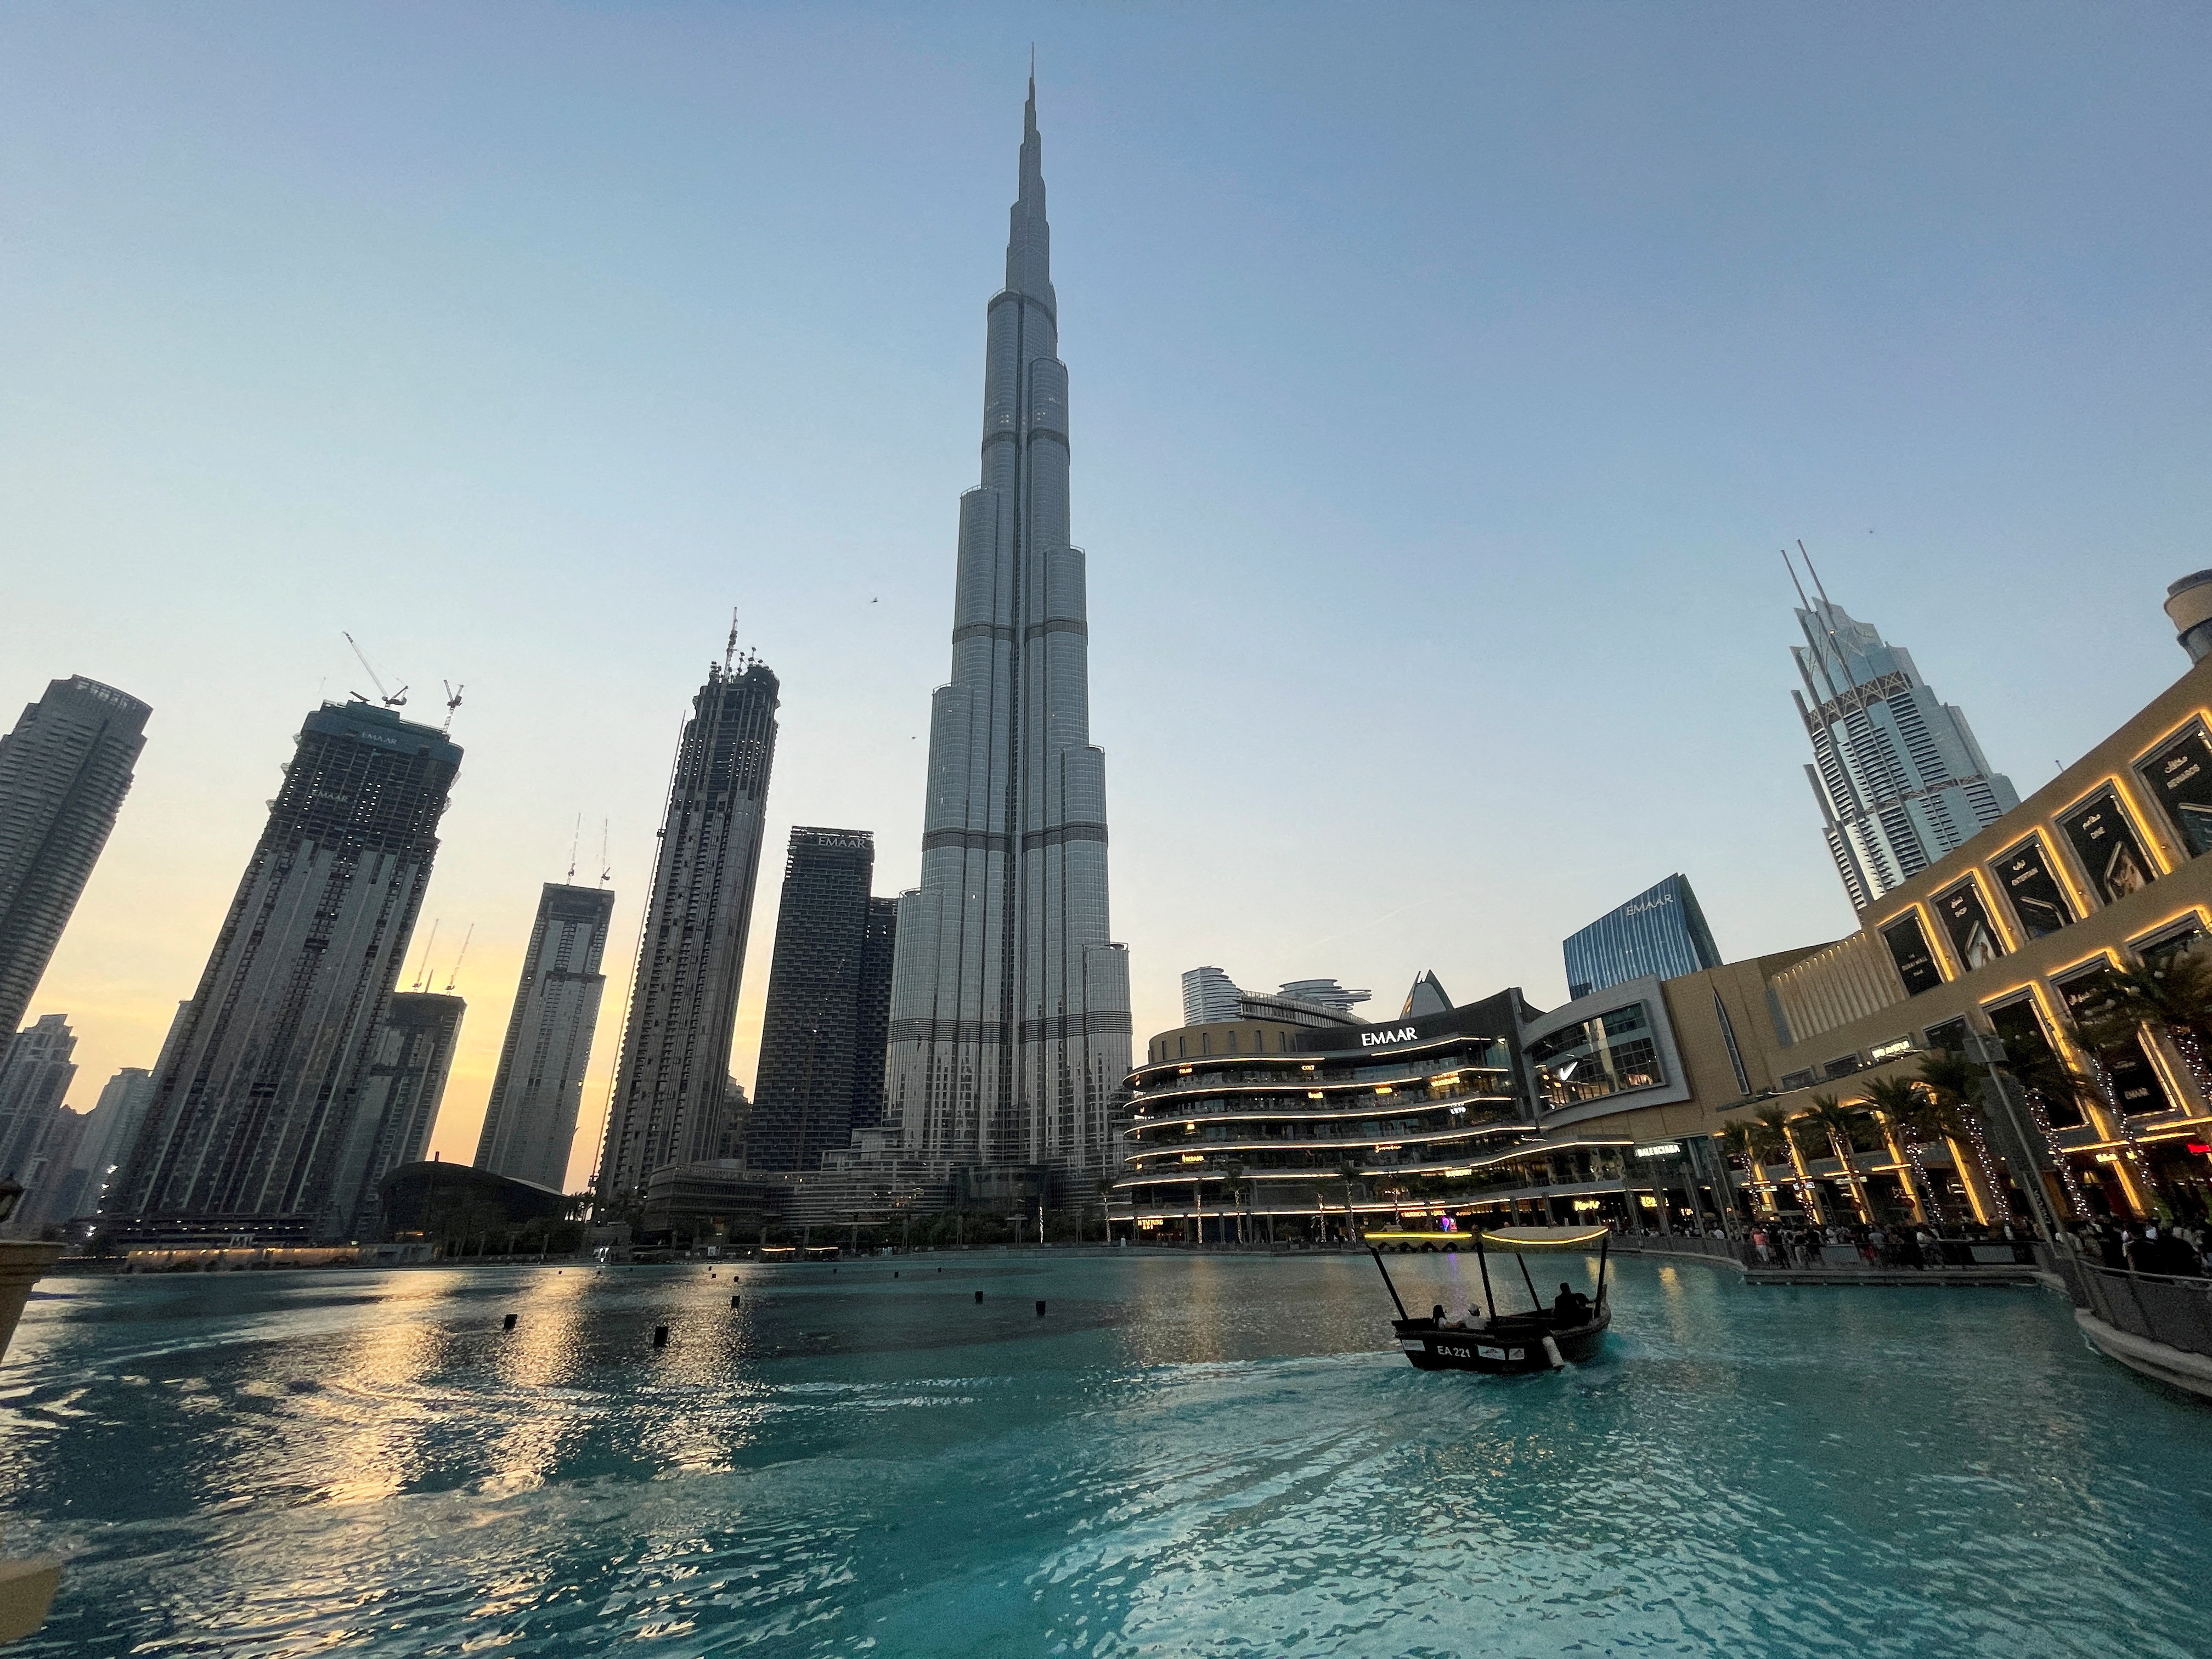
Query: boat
[(1510, 1343)]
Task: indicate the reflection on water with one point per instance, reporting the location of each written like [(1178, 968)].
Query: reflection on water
[(1217, 1456)]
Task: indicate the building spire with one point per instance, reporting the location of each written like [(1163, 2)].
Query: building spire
[(1029, 239)]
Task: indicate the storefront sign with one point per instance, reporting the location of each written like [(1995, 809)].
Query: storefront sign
[(1890, 1050), (2105, 842), (1380, 1039), (1661, 1149)]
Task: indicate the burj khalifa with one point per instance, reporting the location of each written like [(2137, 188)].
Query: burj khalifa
[(1010, 1005)]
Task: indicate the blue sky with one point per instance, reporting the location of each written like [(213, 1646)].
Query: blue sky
[(1444, 381)]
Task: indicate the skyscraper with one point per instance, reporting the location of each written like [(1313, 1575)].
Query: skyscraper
[(402, 1087), (823, 1034), (35, 1074), (1899, 778), (252, 1126), (63, 772), (530, 1124), (669, 1084), (1661, 931), (1009, 1006)]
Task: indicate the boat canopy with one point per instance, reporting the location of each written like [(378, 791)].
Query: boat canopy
[(1542, 1238)]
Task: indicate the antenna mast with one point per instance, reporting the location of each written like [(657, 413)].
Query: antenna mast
[(393, 700), (606, 870), (573, 840)]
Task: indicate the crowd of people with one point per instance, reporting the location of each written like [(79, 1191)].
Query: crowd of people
[(2182, 1249), (1803, 1244)]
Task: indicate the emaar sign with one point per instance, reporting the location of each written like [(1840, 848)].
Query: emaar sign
[(1382, 1039)]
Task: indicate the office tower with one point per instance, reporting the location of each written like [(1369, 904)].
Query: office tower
[(737, 1112), (1210, 997), (821, 1072), (675, 1063), (63, 772), (530, 1124), (252, 1124), (402, 1087), (110, 1126), (53, 1174), (872, 1039), (1010, 1006), (1899, 778), (1661, 931), (35, 1074)]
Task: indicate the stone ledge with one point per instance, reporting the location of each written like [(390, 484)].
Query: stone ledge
[(2177, 1367)]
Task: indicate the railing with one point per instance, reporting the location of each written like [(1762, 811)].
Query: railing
[(2157, 1307)]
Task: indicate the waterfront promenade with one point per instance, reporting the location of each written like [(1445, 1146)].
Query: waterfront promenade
[(1202, 1454)]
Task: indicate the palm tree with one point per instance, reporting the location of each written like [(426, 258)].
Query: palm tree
[(1739, 1139), (1837, 1120), (1778, 1122), (2172, 994), (1953, 1084), (1895, 1102)]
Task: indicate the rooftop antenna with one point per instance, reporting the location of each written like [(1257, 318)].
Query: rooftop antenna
[(452, 702), (394, 700), (423, 967), (577, 836), (464, 950)]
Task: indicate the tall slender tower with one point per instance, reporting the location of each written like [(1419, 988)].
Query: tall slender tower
[(530, 1122), (1899, 778), (670, 1084), (251, 1128), (35, 1074), (820, 1075), (63, 772), (1009, 1006), (402, 1085)]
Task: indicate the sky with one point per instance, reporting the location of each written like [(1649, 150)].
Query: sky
[(1445, 380)]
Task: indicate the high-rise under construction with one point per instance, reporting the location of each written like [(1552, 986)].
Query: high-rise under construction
[(252, 1131), (672, 1079), (530, 1123)]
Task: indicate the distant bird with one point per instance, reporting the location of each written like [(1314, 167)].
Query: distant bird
[(871, 601)]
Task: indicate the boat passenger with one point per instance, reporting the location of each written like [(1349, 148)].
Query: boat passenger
[(1570, 1307), (1436, 1315)]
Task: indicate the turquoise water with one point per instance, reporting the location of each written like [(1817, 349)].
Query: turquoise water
[(1208, 1456)]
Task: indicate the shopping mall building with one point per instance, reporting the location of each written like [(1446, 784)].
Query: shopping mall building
[(1611, 1106)]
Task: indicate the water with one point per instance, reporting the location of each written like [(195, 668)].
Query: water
[(1210, 1456)]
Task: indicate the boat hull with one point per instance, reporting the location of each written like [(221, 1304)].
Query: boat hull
[(1507, 1348)]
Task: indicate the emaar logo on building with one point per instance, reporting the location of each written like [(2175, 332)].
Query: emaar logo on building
[(1377, 1039)]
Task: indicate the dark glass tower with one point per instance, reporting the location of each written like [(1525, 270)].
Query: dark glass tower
[(530, 1123), (829, 1004), (63, 772), (252, 1127), (669, 1084), (402, 1089)]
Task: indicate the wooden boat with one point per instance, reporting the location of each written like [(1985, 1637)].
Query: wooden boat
[(1508, 1344)]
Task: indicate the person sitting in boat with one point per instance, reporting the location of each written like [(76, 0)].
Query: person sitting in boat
[(1436, 1315), (1570, 1307)]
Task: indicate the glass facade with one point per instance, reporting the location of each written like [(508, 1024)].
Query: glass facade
[(1661, 931), (1607, 1053)]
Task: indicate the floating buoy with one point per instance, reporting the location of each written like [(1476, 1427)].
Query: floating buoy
[(734, 1301), (660, 1336), (1040, 1310), (979, 1296), (509, 1324)]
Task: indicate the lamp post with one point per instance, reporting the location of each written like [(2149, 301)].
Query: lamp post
[(1989, 1052)]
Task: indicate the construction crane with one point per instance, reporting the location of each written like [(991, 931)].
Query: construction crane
[(464, 950), (452, 702), (393, 700)]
